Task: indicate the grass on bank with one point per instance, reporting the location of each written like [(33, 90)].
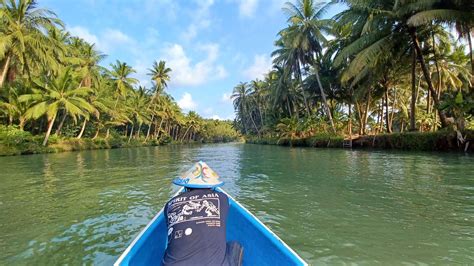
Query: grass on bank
[(17, 142), (442, 140)]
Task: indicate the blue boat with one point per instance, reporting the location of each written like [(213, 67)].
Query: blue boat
[(261, 245)]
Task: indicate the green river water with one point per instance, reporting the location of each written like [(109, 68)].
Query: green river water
[(333, 206)]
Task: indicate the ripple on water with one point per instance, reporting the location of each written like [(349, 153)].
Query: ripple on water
[(332, 206)]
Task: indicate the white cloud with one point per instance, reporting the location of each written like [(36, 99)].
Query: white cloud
[(226, 97), (107, 40), (84, 33), (208, 111), (185, 73), (186, 102), (200, 19), (216, 117), (261, 65), (247, 8)]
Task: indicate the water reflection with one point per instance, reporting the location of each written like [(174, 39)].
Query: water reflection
[(332, 206)]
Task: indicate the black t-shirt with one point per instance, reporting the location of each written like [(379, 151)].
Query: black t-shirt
[(196, 228)]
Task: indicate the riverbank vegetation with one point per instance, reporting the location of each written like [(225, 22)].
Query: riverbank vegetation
[(53, 89), (377, 67)]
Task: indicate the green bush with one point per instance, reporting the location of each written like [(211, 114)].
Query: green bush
[(12, 136)]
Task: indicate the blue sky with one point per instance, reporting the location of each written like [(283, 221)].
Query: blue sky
[(211, 45)]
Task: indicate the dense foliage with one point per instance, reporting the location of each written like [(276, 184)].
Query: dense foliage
[(375, 67), (51, 84)]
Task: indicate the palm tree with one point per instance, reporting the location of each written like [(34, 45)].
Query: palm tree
[(138, 106), (454, 12), (242, 103), (257, 94), (122, 83), (23, 43), (54, 94), (306, 38), (160, 74), (12, 107), (121, 78), (383, 36), (192, 122)]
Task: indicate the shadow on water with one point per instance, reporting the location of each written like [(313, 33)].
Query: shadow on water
[(332, 206)]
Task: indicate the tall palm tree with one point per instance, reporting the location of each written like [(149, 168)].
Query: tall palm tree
[(138, 102), (160, 74), (120, 74), (242, 101), (305, 35), (23, 42), (454, 12), (383, 36), (54, 94), (258, 94)]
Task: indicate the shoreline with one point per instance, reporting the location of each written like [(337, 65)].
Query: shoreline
[(33, 146), (446, 141)]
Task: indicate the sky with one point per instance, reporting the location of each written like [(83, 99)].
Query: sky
[(210, 45)]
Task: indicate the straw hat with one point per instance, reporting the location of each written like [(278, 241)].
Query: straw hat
[(200, 175)]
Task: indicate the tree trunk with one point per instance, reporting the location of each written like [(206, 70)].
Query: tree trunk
[(387, 114), (138, 131), (255, 125), (82, 129), (381, 114), (394, 102), (126, 130), (323, 95), (131, 134), (436, 63), (469, 40), (108, 133), (5, 68), (413, 94), (61, 124), (350, 120), (308, 111), (289, 107), (184, 136), (22, 123), (159, 129), (48, 132), (424, 68), (96, 133), (366, 113), (149, 127), (377, 122), (359, 116)]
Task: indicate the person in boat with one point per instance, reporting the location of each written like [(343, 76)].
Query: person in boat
[(196, 221)]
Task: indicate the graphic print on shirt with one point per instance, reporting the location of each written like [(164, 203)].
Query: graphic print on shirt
[(193, 210)]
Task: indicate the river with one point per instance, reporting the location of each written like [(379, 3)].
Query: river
[(333, 206)]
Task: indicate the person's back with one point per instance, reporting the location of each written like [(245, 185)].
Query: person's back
[(196, 228)]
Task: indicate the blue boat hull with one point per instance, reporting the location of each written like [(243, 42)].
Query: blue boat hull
[(261, 245)]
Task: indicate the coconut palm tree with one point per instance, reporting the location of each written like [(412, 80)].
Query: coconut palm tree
[(122, 81), (454, 12), (160, 75), (54, 94), (305, 40), (242, 102), (24, 45)]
